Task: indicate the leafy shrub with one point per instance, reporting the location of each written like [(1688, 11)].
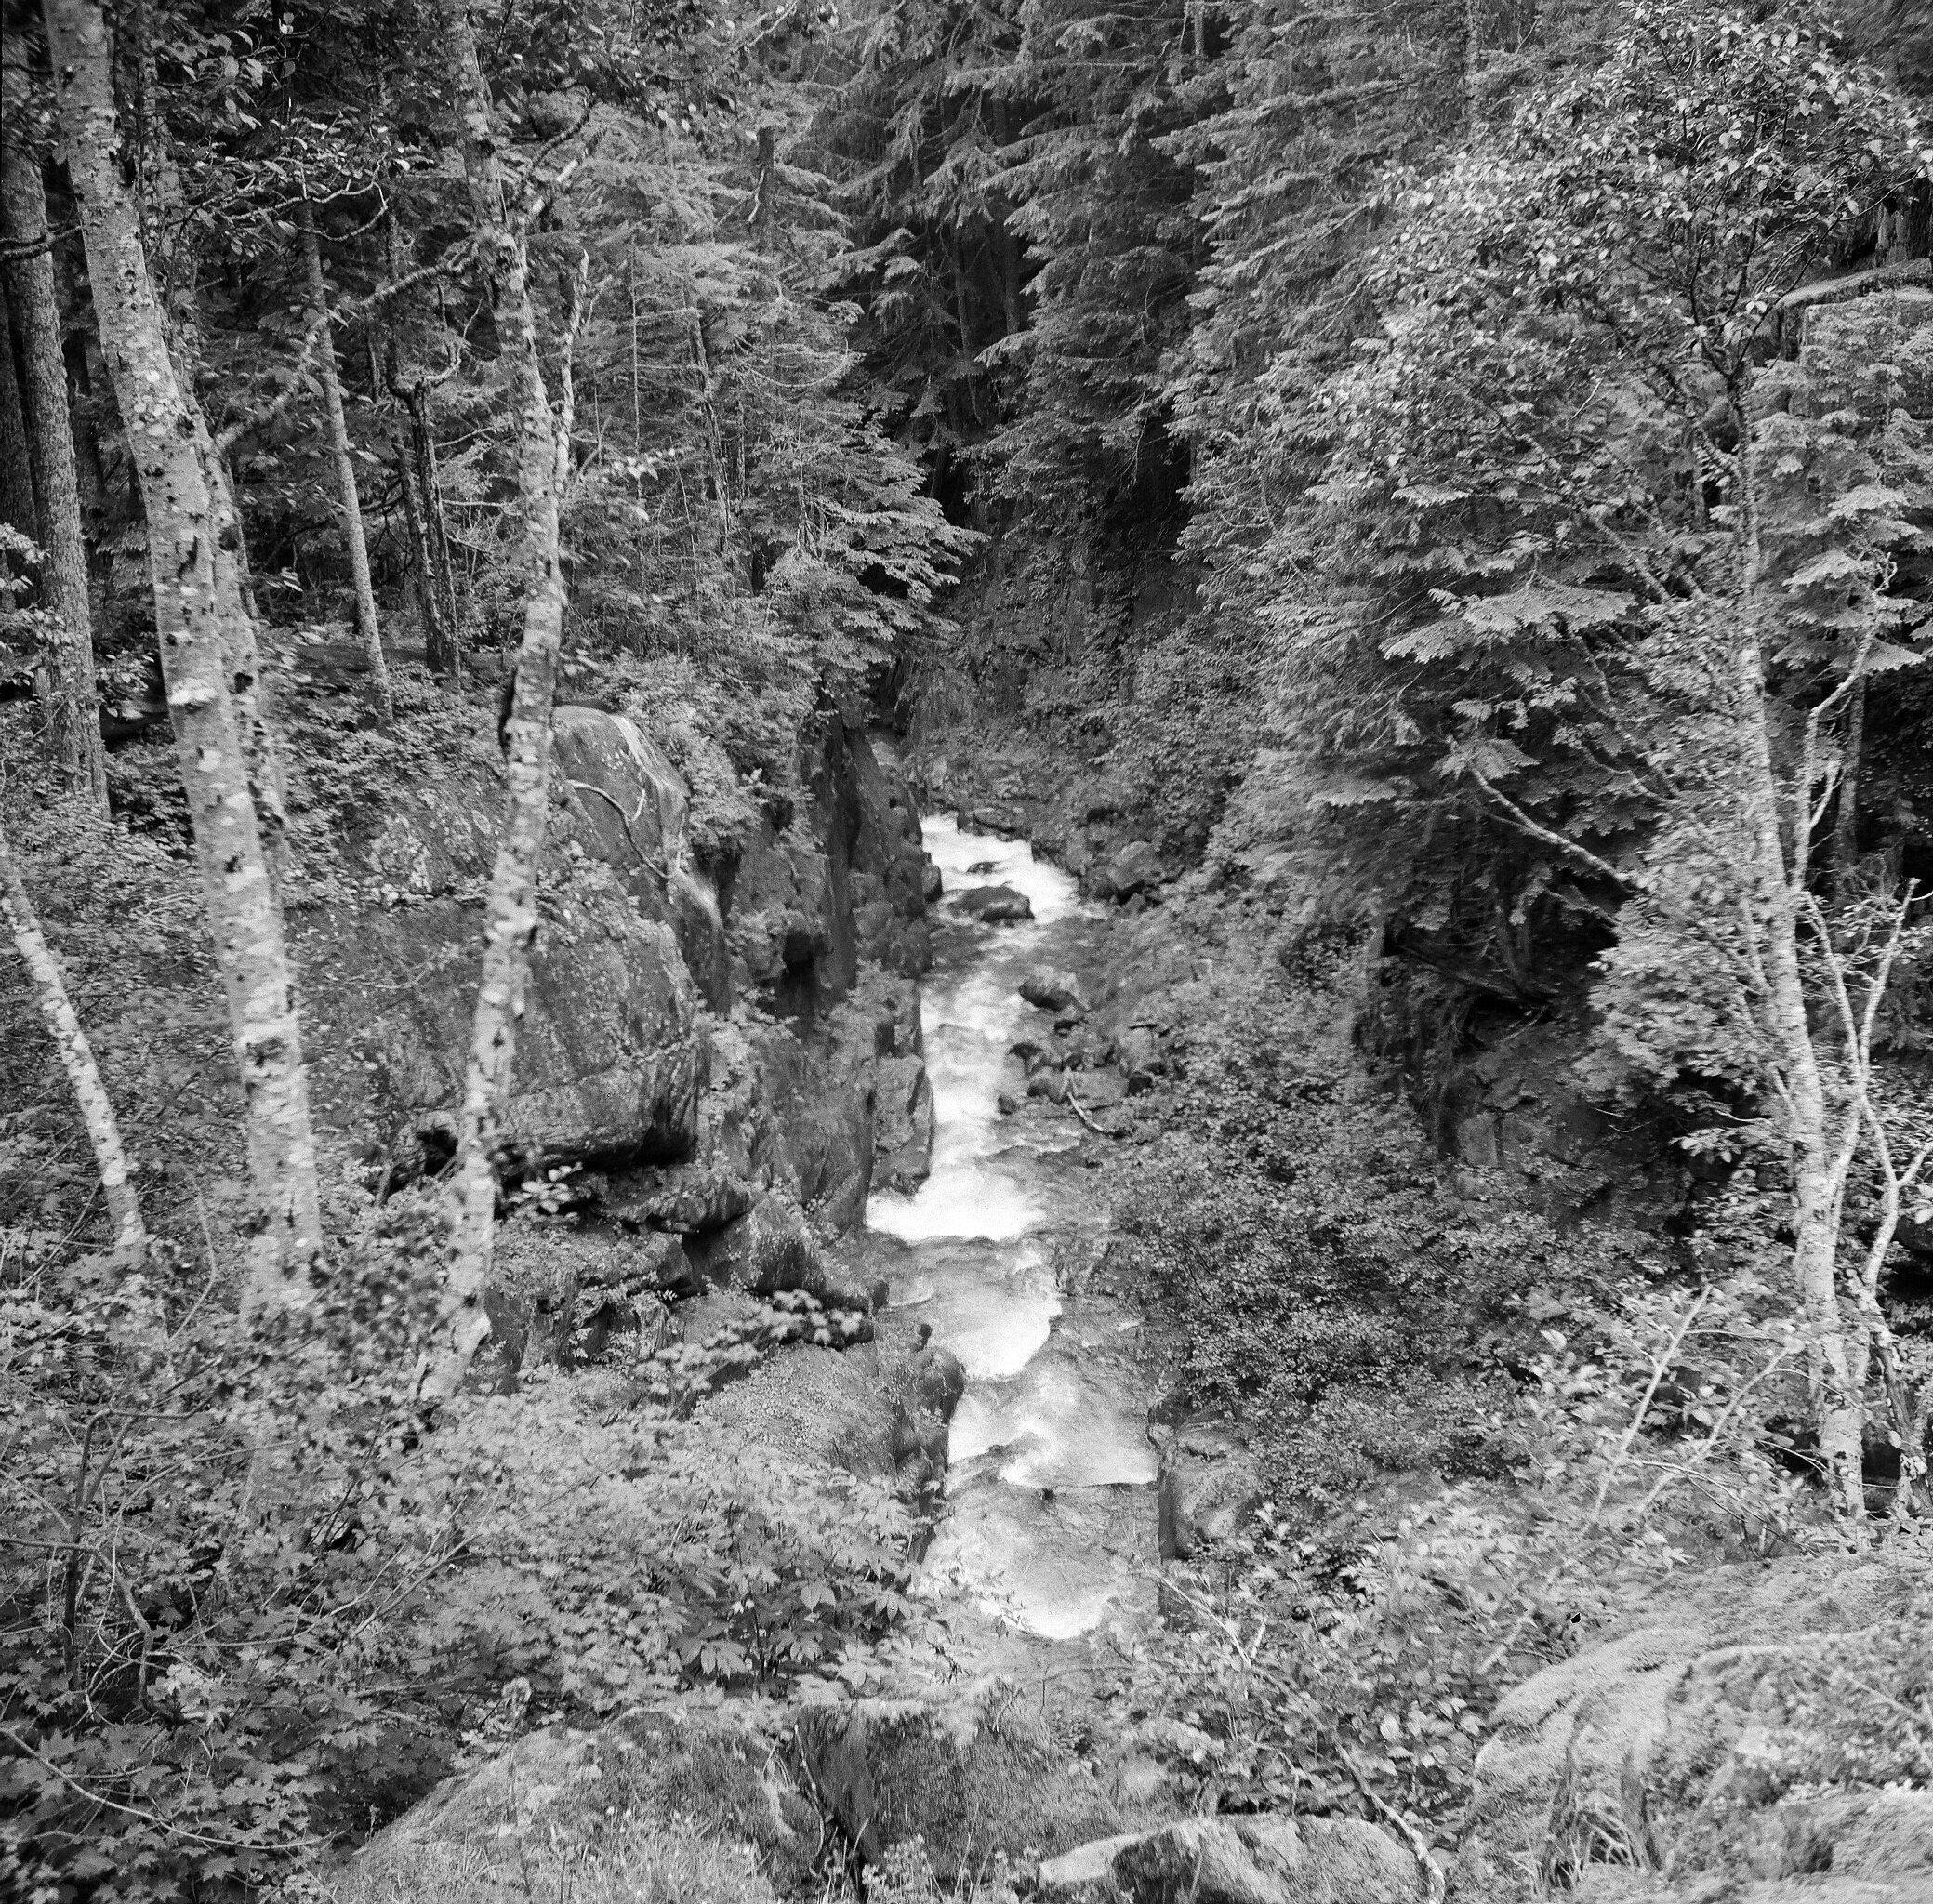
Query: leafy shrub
[(1354, 1314)]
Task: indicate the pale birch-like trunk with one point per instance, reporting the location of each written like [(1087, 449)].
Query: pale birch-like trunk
[(74, 748), (1814, 1140), (510, 916), (77, 1060), (348, 497), (202, 630)]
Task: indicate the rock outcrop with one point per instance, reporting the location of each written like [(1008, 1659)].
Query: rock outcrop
[(972, 1770), (724, 1055)]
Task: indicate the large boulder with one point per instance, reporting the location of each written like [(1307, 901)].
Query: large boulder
[(870, 1411), (770, 1248), (973, 1770), (1053, 991), (685, 1805), (1209, 1486), (687, 1200), (612, 1052), (1135, 868), (1725, 1732), (1238, 1860)]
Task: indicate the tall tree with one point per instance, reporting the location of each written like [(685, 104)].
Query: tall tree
[(1600, 606), (348, 497), (75, 746), (509, 915), (205, 641)]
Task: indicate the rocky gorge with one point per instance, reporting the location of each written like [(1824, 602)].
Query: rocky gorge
[(843, 1071)]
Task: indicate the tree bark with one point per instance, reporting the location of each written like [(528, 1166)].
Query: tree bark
[(74, 748), (510, 915), (204, 634), (19, 509), (76, 1059), (349, 498)]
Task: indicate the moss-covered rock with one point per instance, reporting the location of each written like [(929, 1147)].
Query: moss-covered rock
[(666, 1803), (972, 1770)]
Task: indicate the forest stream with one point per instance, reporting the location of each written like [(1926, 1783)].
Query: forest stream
[(1051, 1488)]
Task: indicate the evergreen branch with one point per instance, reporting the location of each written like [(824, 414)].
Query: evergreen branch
[(447, 266)]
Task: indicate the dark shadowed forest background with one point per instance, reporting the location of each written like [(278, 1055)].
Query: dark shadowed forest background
[(527, 536)]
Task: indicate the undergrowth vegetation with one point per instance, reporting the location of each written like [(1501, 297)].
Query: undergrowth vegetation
[(1478, 1434), (255, 1595)]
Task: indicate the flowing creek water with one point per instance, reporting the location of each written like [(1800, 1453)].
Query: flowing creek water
[(1050, 1521)]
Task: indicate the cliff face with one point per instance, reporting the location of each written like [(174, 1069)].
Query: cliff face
[(712, 1057)]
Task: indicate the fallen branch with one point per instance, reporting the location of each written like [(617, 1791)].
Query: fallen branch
[(1437, 1886)]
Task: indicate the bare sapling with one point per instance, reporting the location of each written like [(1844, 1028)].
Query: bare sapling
[(510, 912), (76, 1059)]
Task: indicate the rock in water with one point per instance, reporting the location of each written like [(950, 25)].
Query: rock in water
[(996, 904), (1053, 991), (973, 1770), (1238, 1860)]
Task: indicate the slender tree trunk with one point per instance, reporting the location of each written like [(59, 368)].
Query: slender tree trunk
[(348, 499), (202, 630), (436, 528), (436, 637), (76, 1059), (1816, 1181), (73, 727), (510, 916), (19, 509), (1845, 818)]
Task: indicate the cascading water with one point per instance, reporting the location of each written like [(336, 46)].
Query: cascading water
[(1050, 1492)]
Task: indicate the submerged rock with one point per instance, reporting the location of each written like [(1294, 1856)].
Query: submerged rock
[(973, 1770), (1238, 1860), (996, 904)]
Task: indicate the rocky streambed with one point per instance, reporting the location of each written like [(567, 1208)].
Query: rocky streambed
[(1051, 1520)]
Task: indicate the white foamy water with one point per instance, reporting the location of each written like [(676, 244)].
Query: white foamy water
[(1050, 1516), (972, 1017)]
